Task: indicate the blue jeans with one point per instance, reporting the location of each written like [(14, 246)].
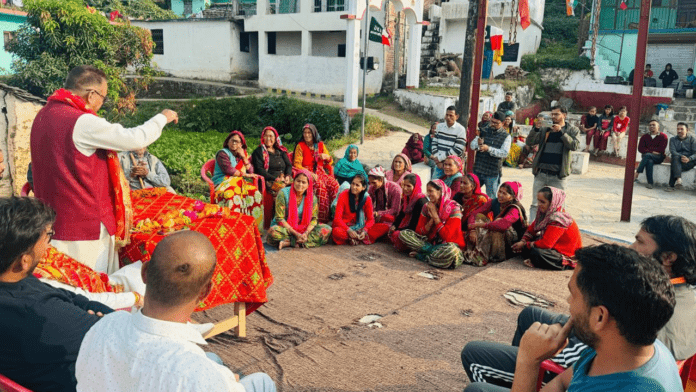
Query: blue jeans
[(435, 172), (647, 162), (257, 382), (491, 183)]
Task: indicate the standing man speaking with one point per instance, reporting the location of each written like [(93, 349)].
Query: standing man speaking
[(77, 172)]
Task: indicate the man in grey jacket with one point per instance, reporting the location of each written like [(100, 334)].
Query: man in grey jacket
[(682, 148), (144, 170), (551, 164)]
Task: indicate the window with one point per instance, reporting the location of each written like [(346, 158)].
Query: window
[(317, 5), (244, 42), (342, 50), (8, 36), (271, 42), (335, 5), (686, 14), (158, 38), (188, 7)]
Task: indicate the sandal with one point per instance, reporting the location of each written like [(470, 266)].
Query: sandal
[(523, 298), (528, 263)]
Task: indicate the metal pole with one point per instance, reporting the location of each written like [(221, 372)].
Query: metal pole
[(636, 103), (396, 49), (623, 34), (476, 79), (364, 57)]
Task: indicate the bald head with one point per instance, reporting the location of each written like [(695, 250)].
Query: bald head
[(180, 268)]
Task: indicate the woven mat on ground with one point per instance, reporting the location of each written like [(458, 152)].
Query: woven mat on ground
[(241, 274)]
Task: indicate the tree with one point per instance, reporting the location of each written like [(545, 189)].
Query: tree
[(62, 34), (139, 9)]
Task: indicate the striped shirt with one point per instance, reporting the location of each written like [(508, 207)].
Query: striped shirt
[(448, 141)]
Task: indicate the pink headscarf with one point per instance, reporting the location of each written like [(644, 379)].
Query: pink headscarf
[(516, 189), (458, 161), (555, 214), (447, 205), (408, 202), (293, 219), (407, 169), (278, 145)]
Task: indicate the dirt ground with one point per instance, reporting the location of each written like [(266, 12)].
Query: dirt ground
[(308, 337)]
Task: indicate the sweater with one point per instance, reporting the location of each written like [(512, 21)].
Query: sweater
[(570, 143), (563, 240), (683, 147), (344, 218), (413, 217), (278, 163), (448, 141), (649, 144), (450, 231), (393, 199), (42, 329)]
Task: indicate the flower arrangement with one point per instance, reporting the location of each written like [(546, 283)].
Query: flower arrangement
[(182, 219)]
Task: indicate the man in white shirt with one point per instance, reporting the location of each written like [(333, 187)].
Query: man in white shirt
[(73, 156), (156, 349), (449, 139)]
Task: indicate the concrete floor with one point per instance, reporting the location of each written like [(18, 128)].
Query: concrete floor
[(308, 336)]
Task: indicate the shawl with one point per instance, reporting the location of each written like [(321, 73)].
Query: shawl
[(307, 204), (119, 190), (278, 145), (346, 168), (484, 123), (477, 198), (414, 148), (407, 169), (358, 210), (450, 179), (408, 202), (447, 205), (555, 214), (318, 144), (240, 162), (515, 203)]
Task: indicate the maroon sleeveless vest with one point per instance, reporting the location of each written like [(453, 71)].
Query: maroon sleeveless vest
[(75, 185)]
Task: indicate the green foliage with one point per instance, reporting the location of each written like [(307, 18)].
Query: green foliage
[(62, 34), (139, 9), (555, 56), (560, 30)]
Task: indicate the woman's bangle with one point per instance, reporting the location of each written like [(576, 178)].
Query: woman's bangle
[(137, 297)]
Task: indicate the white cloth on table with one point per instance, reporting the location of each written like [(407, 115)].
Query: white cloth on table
[(133, 352)]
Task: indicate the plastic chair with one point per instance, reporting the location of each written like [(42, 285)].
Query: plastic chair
[(209, 167), (26, 189), (548, 365), (7, 385)]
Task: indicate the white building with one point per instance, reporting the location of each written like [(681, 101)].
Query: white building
[(303, 46), (453, 19)]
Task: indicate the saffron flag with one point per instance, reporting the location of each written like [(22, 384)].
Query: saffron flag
[(570, 8), (523, 8), (623, 5)]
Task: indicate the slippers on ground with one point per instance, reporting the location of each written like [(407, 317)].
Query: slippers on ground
[(522, 298)]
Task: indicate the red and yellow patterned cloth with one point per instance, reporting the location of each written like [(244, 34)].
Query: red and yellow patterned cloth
[(64, 269), (241, 274)]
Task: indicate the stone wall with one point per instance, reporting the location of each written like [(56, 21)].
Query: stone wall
[(15, 129)]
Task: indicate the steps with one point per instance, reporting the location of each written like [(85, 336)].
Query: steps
[(430, 45), (684, 110)]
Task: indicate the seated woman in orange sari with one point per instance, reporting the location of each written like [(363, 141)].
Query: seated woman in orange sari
[(311, 154), (234, 184)]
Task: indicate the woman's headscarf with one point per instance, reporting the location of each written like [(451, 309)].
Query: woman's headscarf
[(278, 145), (316, 138), (346, 168), (460, 165), (447, 205), (409, 202), (555, 214), (407, 169), (516, 189), (358, 210), (477, 198), (308, 204), (241, 136), (414, 148)]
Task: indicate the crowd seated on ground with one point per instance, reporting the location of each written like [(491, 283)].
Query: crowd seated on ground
[(449, 223)]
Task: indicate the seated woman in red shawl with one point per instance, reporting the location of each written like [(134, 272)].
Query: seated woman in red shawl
[(386, 196), (551, 240), (296, 216), (499, 224), (234, 181), (270, 161), (311, 154), (354, 220), (438, 238), (414, 148), (471, 198), (412, 201)]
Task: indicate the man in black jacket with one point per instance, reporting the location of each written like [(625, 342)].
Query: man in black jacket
[(42, 326)]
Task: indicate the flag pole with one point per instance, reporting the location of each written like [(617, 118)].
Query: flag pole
[(364, 68)]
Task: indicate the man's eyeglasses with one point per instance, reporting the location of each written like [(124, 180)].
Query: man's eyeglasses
[(50, 234), (103, 97)]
